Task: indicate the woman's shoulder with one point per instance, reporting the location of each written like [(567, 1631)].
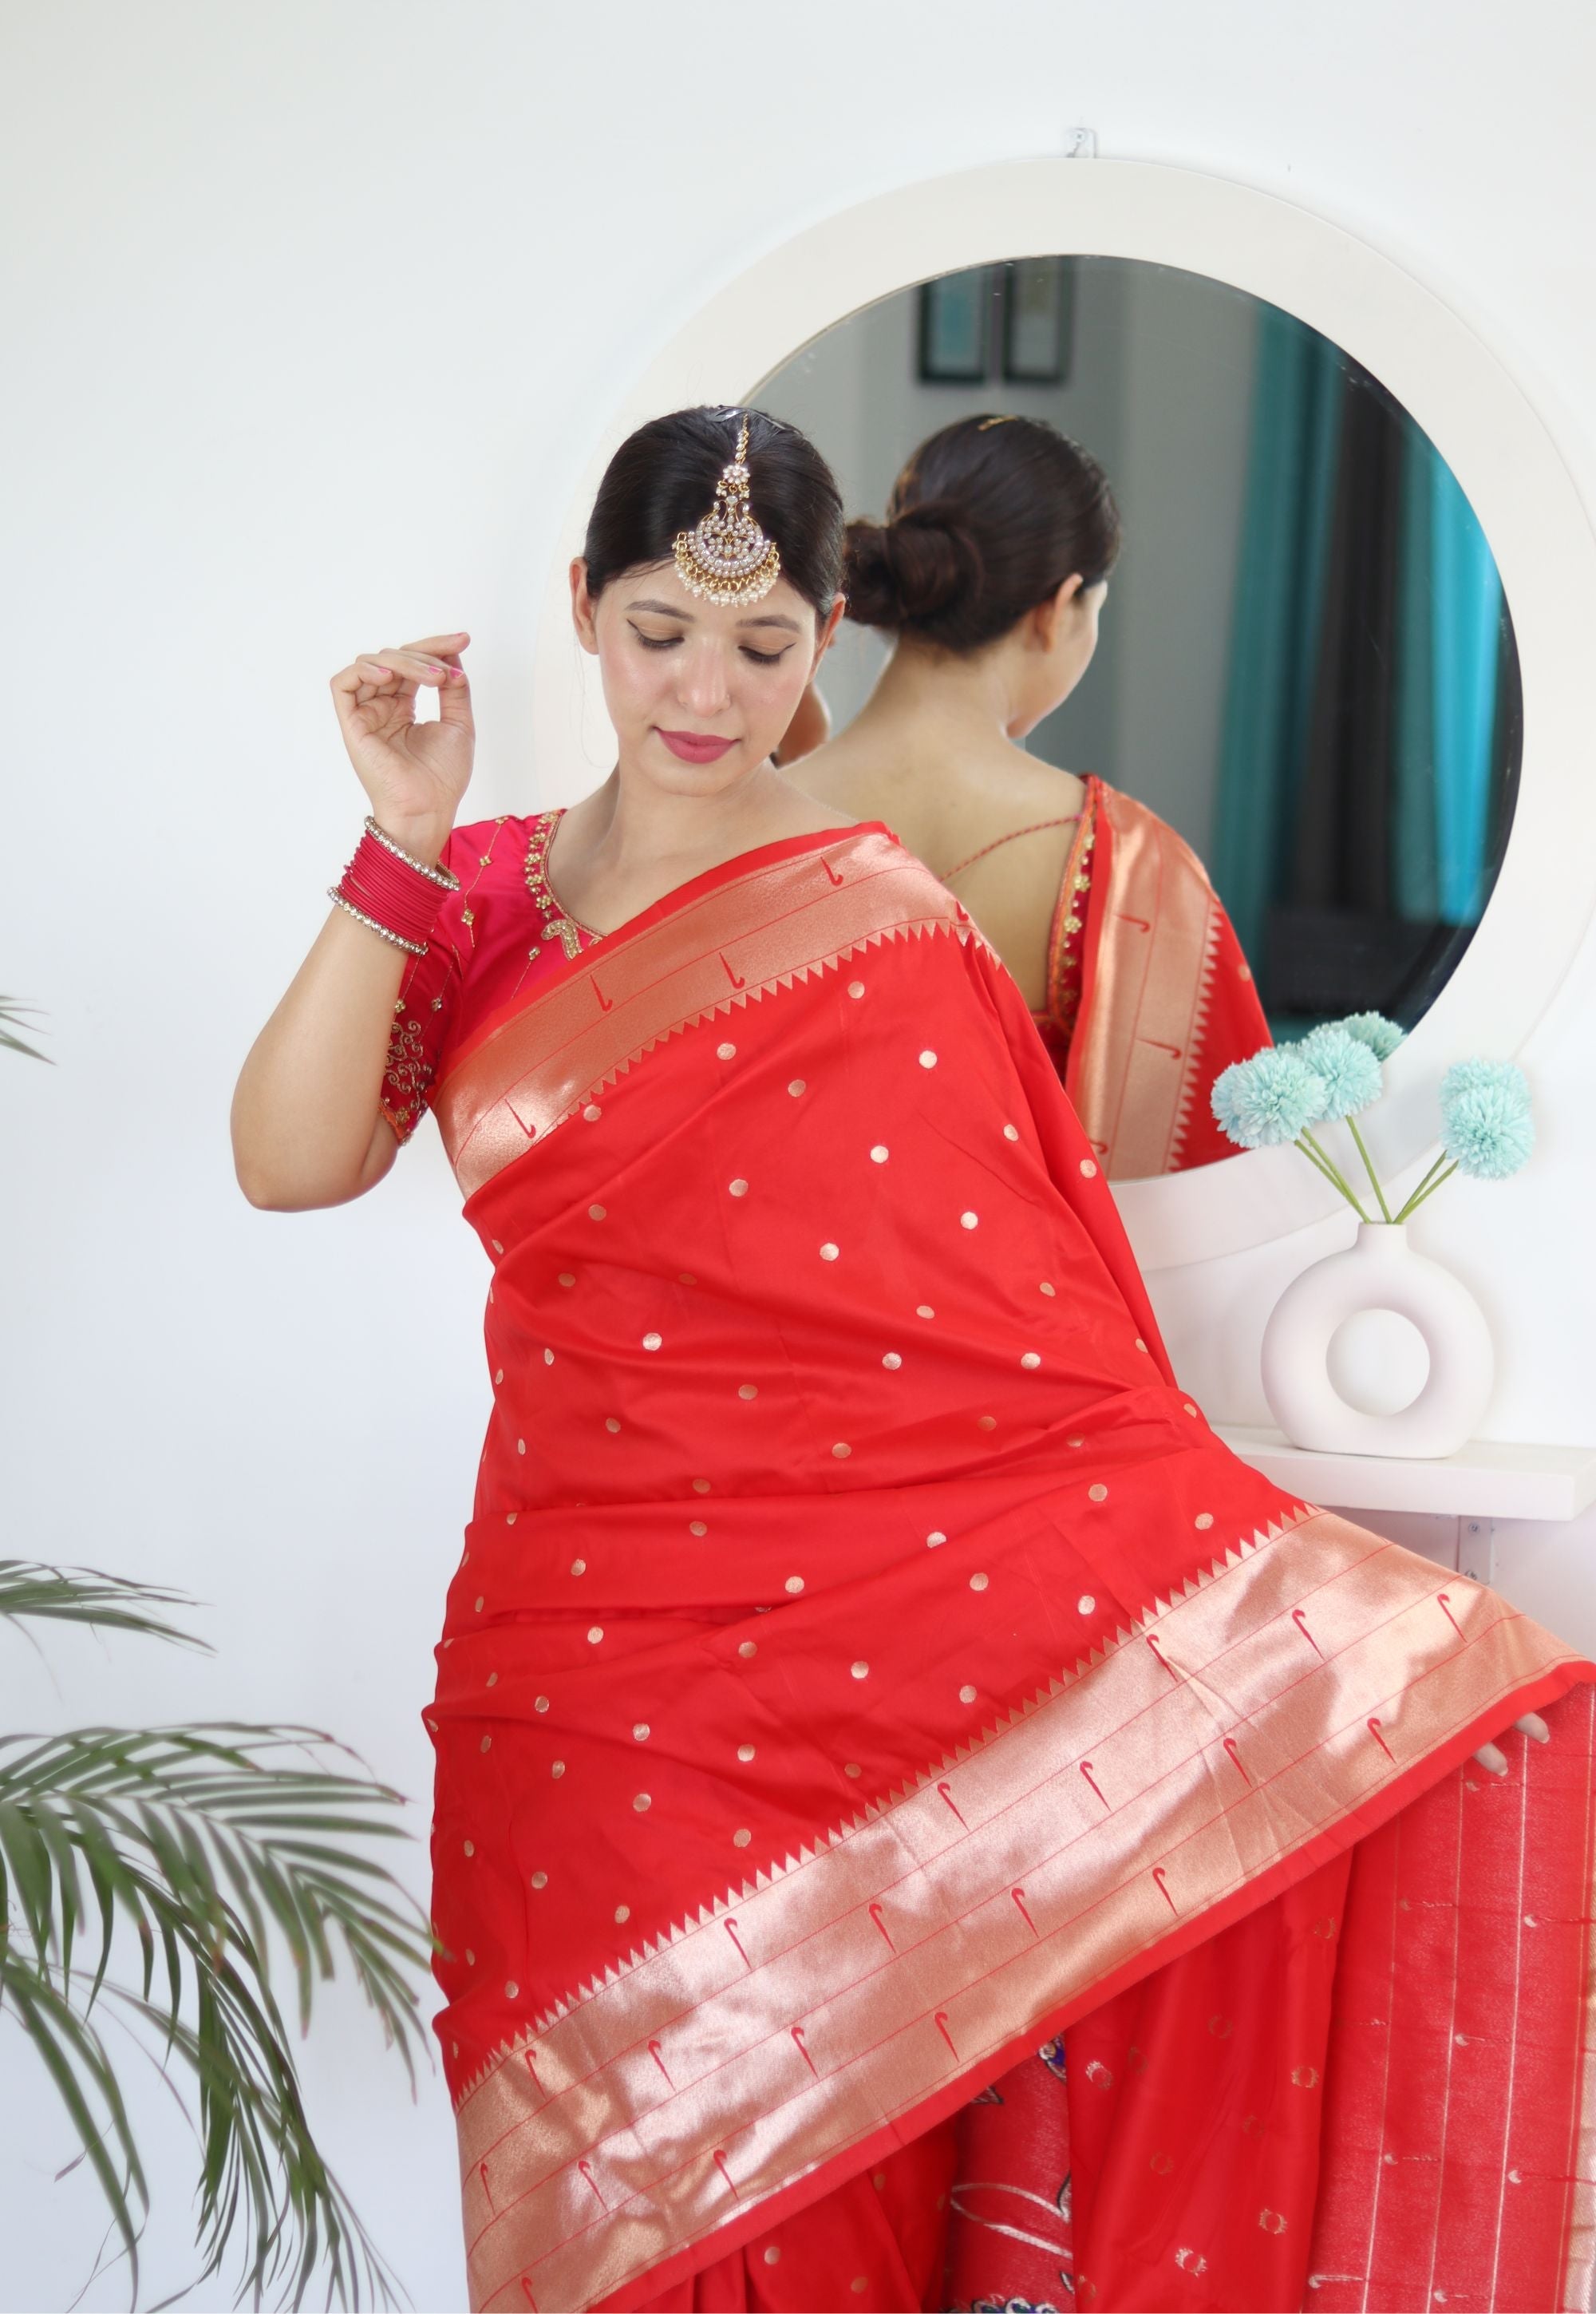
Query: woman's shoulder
[(1126, 816)]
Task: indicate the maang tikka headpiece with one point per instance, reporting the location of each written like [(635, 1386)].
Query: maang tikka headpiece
[(726, 557)]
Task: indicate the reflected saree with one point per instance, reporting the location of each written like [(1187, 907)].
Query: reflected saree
[(1149, 995), (866, 1666)]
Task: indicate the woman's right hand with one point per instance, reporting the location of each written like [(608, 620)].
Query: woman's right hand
[(414, 773)]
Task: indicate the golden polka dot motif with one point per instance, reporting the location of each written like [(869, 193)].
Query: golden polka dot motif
[(622, 1914), (1190, 1407), (928, 1060), (856, 988), (611, 1424), (540, 1703), (595, 1634), (479, 1602), (1049, 1290), (741, 1839), (701, 1486), (726, 1051), (579, 1567), (797, 1088), (643, 1803), (744, 1752), (1089, 1169), (640, 1732), (510, 1518), (880, 1153), (747, 1648), (653, 1341), (892, 1362), (1097, 1494), (795, 1583), (747, 1390), (979, 1581), (548, 1357), (697, 1526), (774, 2254), (738, 1189), (1075, 1442), (492, 1680), (828, 1251), (858, 2283), (593, 1112), (841, 1450), (520, 1445), (496, 1245), (539, 1879), (470, 1847), (511, 1990), (853, 1769), (470, 1958), (557, 1769), (966, 1695), (598, 1213), (498, 1377), (1141, 1345), (988, 1422), (1030, 1361), (1205, 1519), (1011, 1132), (1086, 1605), (924, 1310), (935, 1537), (860, 1670), (487, 1743), (969, 1220)]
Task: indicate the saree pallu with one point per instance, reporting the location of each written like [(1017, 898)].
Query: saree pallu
[(866, 1666), (1149, 995)]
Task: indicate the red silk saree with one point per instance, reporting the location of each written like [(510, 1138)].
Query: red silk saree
[(866, 1667), (1149, 995)]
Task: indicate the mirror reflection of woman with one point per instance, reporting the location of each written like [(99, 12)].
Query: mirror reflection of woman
[(865, 1664), (991, 573)]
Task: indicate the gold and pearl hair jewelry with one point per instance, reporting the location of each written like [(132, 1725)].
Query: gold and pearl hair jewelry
[(727, 558)]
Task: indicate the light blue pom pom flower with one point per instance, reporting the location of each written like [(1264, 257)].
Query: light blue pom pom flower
[(1466, 1076), (1485, 1125), (1349, 1067), (1268, 1100), (1381, 1035)]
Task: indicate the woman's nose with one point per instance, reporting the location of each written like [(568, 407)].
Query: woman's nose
[(703, 687)]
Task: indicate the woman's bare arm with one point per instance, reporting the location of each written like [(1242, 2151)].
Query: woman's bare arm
[(307, 1128)]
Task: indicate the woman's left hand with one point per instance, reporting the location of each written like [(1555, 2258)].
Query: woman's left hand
[(1531, 1725)]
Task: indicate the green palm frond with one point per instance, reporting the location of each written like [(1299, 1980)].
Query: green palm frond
[(213, 1845), (83, 1594), (15, 1014)]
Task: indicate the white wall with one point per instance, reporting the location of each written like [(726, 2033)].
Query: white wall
[(312, 314)]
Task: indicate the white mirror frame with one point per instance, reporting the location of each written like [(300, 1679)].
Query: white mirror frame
[(1452, 384)]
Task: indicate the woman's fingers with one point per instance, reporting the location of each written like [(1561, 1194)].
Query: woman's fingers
[(1532, 1725)]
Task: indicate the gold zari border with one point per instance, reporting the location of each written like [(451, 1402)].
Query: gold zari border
[(1140, 1033), (1264, 1706), (736, 942)]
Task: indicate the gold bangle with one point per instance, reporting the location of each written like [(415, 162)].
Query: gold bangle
[(438, 876), (412, 948)]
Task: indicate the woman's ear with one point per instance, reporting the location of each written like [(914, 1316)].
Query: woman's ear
[(828, 628), (1048, 616), (582, 611)]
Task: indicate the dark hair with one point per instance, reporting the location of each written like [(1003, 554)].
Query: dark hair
[(662, 481), (988, 518)]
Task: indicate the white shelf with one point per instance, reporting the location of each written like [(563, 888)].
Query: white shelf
[(1482, 1481)]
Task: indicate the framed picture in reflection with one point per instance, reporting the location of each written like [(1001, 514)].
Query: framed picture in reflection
[(956, 327), (1038, 299)]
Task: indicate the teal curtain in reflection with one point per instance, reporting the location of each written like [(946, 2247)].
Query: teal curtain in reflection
[(1280, 587), (1362, 751)]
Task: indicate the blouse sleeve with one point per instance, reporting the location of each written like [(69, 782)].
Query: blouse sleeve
[(429, 1000)]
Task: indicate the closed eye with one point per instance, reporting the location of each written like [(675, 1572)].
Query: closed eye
[(765, 659)]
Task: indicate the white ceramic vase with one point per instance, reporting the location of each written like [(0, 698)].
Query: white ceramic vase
[(1380, 1271)]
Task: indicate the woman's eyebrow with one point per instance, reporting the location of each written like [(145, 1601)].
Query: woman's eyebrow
[(772, 619), (665, 610)]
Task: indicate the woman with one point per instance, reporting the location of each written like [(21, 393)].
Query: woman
[(991, 571), (865, 1663)]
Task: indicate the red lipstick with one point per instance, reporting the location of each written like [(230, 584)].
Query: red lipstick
[(696, 746)]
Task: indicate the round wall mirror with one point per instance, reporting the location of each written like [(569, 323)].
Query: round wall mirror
[(1332, 492), (1306, 664)]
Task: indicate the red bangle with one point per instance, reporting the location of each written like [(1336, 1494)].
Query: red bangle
[(391, 893)]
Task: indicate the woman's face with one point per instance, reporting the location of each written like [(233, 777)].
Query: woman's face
[(700, 693)]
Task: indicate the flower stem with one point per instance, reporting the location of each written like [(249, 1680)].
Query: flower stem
[(1418, 1197), (1316, 1156), (1423, 1187), (1351, 1126)]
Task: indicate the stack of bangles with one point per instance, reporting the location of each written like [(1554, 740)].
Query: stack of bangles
[(391, 893)]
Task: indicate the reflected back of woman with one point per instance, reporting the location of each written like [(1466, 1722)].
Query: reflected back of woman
[(990, 571)]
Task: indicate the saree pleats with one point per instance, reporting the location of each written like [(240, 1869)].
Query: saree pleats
[(866, 1666)]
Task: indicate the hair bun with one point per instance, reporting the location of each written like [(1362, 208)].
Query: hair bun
[(911, 571)]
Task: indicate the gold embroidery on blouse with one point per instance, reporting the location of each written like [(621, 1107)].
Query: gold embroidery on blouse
[(406, 1077), (557, 925)]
